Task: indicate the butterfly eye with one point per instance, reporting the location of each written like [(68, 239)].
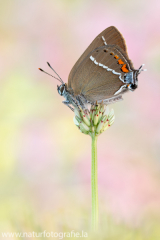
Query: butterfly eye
[(105, 50)]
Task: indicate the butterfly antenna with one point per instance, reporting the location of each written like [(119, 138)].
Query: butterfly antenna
[(55, 72), (50, 75), (140, 69)]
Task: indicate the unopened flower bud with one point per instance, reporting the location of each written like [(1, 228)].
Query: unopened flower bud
[(106, 111), (106, 127), (75, 121), (111, 121), (84, 126), (77, 113), (102, 108), (96, 117), (79, 120), (99, 127), (86, 120), (83, 130), (100, 116), (111, 114), (104, 118)]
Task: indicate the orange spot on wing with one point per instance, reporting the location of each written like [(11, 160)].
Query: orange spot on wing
[(124, 68), (116, 56), (120, 61)]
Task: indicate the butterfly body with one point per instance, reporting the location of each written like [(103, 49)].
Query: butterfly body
[(103, 73)]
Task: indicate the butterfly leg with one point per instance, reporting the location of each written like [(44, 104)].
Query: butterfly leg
[(112, 100), (79, 101), (67, 103), (82, 102)]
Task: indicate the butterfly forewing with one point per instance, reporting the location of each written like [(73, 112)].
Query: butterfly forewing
[(109, 36)]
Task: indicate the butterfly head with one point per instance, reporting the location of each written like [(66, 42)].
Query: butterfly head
[(132, 78), (61, 89)]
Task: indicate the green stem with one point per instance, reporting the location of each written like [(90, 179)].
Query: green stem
[(94, 182)]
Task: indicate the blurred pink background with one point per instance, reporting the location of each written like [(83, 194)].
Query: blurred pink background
[(45, 162)]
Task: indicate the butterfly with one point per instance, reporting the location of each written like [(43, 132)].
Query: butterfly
[(103, 72)]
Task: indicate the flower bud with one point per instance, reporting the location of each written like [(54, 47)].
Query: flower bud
[(75, 121), (77, 113), (102, 108), (96, 117), (106, 127), (99, 127), (104, 118), (83, 126), (86, 120), (100, 116), (79, 120), (106, 111), (111, 121), (111, 114), (83, 130)]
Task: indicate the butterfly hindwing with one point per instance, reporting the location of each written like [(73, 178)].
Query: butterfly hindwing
[(109, 36), (100, 75)]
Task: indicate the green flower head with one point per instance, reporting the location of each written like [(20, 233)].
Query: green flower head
[(96, 120)]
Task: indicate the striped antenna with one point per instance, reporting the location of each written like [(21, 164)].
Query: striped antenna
[(55, 72), (59, 78), (140, 69)]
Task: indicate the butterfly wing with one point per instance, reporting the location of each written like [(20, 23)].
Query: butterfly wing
[(101, 74), (109, 36)]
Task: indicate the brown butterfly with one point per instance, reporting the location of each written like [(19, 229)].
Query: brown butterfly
[(103, 73)]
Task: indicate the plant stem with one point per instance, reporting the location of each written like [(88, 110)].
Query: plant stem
[(94, 182)]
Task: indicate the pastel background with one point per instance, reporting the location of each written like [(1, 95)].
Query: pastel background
[(45, 162)]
